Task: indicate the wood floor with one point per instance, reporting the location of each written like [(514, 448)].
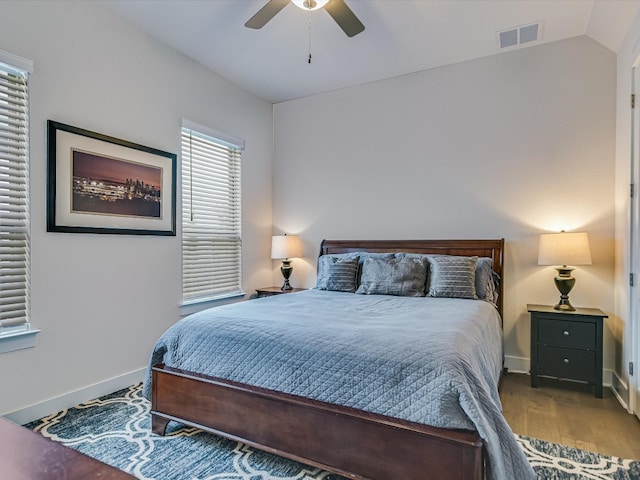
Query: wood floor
[(568, 413)]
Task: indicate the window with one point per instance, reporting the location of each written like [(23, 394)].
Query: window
[(211, 215), (14, 196)]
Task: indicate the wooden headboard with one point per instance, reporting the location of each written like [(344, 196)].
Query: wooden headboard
[(469, 248)]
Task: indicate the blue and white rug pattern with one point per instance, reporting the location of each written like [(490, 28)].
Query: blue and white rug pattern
[(554, 461), (116, 429)]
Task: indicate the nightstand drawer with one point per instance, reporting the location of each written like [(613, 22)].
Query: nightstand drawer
[(566, 363), (567, 333)]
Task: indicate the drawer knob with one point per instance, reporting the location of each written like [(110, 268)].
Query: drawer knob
[(566, 333), (566, 360)]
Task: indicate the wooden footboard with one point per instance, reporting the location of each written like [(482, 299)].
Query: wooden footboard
[(342, 440)]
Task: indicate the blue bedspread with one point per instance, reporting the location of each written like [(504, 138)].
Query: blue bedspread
[(435, 361)]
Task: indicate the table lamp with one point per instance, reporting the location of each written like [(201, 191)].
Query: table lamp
[(286, 247), (564, 248)]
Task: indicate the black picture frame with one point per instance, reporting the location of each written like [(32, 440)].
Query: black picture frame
[(105, 185)]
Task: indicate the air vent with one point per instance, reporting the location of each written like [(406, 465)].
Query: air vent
[(519, 35)]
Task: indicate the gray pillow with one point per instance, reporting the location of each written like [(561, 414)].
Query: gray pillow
[(493, 289), (487, 281), (361, 256), (406, 277), (452, 276), (484, 278), (337, 273)]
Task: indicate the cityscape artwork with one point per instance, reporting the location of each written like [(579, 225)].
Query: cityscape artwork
[(102, 184), (111, 186)]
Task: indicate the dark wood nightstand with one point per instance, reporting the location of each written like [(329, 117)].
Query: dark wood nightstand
[(567, 344), (269, 291)]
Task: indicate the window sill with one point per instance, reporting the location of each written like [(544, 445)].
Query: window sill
[(193, 306), (10, 342)]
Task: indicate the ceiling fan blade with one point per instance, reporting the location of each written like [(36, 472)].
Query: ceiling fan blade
[(344, 17), (266, 13)]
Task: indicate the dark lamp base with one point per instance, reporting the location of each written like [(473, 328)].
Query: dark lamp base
[(286, 270), (564, 283), (567, 307)]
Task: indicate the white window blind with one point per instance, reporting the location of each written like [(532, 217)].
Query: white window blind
[(14, 197), (211, 216)]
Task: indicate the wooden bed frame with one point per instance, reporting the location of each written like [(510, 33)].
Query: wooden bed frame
[(350, 442)]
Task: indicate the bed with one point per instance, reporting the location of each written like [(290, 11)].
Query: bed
[(368, 386)]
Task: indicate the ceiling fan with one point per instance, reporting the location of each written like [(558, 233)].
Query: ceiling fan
[(341, 13)]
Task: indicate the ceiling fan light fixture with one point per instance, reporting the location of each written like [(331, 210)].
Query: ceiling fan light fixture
[(310, 4), (337, 9)]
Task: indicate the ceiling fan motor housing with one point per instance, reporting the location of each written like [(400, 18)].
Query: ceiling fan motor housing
[(310, 4)]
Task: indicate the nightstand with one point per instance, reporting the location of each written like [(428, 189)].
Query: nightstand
[(270, 291), (567, 344)]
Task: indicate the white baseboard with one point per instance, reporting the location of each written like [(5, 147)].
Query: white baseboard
[(620, 389), (71, 399), (517, 364)]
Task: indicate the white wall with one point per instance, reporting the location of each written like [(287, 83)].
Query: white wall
[(103, 300), (509, 146)]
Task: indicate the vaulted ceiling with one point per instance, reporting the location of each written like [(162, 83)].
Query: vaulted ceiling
[(400, 36)]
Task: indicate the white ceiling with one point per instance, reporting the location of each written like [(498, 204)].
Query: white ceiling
[(401, 36)]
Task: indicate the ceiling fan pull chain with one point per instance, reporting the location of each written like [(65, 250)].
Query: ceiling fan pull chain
[(309, 25)]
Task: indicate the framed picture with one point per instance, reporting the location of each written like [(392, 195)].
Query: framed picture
[(101, 184)]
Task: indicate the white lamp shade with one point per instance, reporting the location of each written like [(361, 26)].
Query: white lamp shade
[(564, 248), (286, 246)]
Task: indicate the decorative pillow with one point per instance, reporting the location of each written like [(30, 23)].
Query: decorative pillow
[(484, 278), (361, 256), (493, 289), (487, 281), (337, 273), (452, 276), (406, 277)]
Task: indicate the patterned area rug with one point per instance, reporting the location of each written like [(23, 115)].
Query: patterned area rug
[(116, 430)]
